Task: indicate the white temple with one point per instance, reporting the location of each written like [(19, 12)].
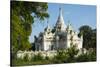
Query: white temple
[(60, 37)]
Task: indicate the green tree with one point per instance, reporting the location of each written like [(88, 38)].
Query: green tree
[(89, 36), (93, 39), (23, 14)]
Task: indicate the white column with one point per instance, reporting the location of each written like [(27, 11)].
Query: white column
[(57, 42)]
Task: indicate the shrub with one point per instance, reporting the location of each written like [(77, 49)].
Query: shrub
[(89, 56), (47, 58), (37, 57), (26, 58)]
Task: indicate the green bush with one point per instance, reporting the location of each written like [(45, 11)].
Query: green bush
[(47, 58), (37, 57), (89, 56), (63, 56), (26, 58)]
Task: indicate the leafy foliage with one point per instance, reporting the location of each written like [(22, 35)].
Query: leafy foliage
[(37, 57), (85, 57), (22, 16), (63, 56), (66, 56), (89, 36)]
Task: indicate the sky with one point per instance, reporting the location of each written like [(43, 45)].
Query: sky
[(78, 15)]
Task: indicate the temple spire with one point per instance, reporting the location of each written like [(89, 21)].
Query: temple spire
[(60, 18), (60, 21), (48, 27), (60, 12)]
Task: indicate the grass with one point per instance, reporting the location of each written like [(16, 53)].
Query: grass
[(24, 63)]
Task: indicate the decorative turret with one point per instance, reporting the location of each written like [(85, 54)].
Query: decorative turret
[(60, 25), (48, 29), (69, 27)]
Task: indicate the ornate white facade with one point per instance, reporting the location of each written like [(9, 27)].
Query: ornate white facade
[(60, 37)]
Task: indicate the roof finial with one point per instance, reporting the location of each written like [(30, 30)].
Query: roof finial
[(60, 10), (68, 24), (68, 21)]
